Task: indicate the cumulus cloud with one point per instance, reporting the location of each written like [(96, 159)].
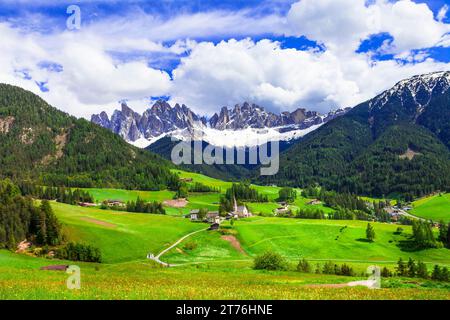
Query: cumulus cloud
[(234, 71), (88, 76), (343, 24), (285, 79), (88, 79)]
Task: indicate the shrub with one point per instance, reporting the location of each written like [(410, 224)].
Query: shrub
[(270, 261), (190, 245), (346, 270), (328, 268), (304, 266), (386, 273), (79, 252)]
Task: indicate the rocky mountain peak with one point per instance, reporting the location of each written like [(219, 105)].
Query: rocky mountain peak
[(415, 91), (161, 119)]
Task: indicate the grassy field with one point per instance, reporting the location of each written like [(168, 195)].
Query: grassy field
[(329, 240), (209, 201), (218, 264), (122, 236), (436, 207), (316, 240), (197, 177), (129, 195), (20, 278)]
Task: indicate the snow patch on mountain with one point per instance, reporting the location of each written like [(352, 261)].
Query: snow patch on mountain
[(243, 125), (419, 89)]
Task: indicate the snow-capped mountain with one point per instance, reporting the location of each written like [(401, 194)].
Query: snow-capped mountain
[(243, 125), (416, 91)]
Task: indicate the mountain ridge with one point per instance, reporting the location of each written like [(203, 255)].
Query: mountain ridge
[(180, 121), (363, 151)]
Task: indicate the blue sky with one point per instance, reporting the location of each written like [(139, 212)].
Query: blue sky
[(284, 54)]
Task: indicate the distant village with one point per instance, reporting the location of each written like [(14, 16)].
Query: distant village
[(215, 219)]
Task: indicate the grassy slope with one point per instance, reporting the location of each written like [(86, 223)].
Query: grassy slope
[(127, 236), (291, 237), (128, 195), (323, 239), (202, 200), (20, 278), (196, 200), (435, 207)]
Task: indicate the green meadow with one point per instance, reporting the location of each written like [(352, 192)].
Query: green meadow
[(21, 278), (122, 236), (129, 195), (209, 201), (330, 240), (217, 264), (436, 207)]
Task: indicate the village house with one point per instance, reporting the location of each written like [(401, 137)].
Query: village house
[(214, 226), (231, 215), (240, 211), (87, 204), (282, 210), (395, 216), (193, 214), (314, 202), (394, 213), (213, 217), (115, 203)]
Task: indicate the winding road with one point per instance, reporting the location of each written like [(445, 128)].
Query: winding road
[(157, 257)]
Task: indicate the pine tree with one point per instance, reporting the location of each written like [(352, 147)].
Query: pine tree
[(442, 232), (445, 274), (386, 273), (41, 236), (328, 268), (304, 266), (53, 232), (422, 271), (318, 269), (448, 235), (346, 270), (412, 268), (401, 268), (370, 233), (436, 275)]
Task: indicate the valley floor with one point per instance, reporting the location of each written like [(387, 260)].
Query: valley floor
[(20, 278), (217, 264)]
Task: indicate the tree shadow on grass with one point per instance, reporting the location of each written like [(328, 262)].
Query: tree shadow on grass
[(363, 240), (409, 246)]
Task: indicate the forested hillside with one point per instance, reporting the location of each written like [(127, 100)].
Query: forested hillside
[(44, 145), (396, 143)]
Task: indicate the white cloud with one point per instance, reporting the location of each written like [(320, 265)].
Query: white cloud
[(442, 13), (284, 79), (342, 24), (233, 71), (90, 79), (214, 75), (211, 24)]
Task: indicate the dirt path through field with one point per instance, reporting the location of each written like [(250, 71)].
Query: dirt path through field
[(157, 257), (98, 222), (176, 203), (235, 243), (363, 283)]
